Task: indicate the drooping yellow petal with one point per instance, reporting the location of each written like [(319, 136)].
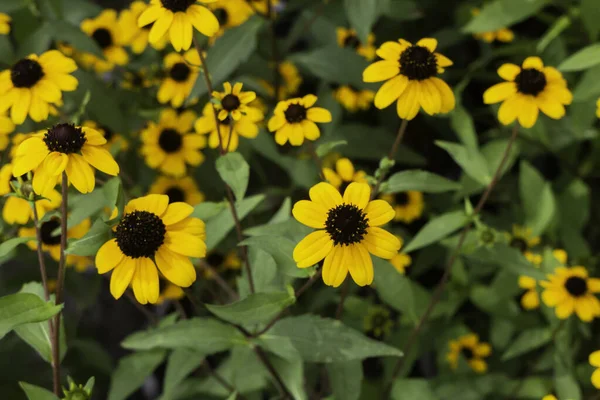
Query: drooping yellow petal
[(145, 281), (390, 91), (312, 249), (160, 26), (528, 113), (381, 243), (430, 97), (381, 71), (108, 257), (175, 267), (80, 174), (335, 267), (183, 243), (509, 109), (408, 103), (358, 194), (121, 277), (310, 213), (360, 265), (101, 159)]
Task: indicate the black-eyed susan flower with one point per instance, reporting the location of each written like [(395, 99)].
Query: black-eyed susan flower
[(230, 13), (231, 130), (343, 174), (152, 233), (294, 120), (138, 80), (64, 147), (178, 189), (530, 299), (170, 292), (6, 127), (411, 74), (407, 205), (291, 81), (529, 89), (108, 33), (594, 360), (378, 322), (349, 228), (177, 17), (138, 35), (523, 240), (181, 73), (472, 350), (113, 140), (51, 241), (169, 145), (401, 261), (348, 38), (233, 102), (571, 290), (502, 35), (33, 83), (353, 99), (5, 24)]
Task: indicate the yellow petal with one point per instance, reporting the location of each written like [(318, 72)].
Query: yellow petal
[(101, 159), (326, 195), (185, 244), (379, 212), (80, 174), (530, 300), (429, 43), (550, 106), (528, 113), (447, 95), (312, 249), (177, 212), (596, 378), (175, 267), (310, 129), (358, 194), (594, 358), (430, 98), (381, 71), (276, 122), (345, 169), (318, 114), (381, 243), (145, 281), (390, 51), (203, 20), (34, 151), (160, 27), (121, 277), (310, 214), (335, 266), (509, 71), (390, 91), (108, 257), (408, 103), (533, 62), (509, 109), (154, 203), (360, 265), (499, 92)]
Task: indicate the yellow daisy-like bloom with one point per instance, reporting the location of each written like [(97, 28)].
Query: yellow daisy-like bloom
[(139, 35), (594, 360), (231, 130), (152, 233), (529, 89), (181, 74), (17, 210), (112, 138), (108, 33), (401, 261), (291, 81), (408, 205), (6, 127), (5, 24), (472, 350), (170, 292), (230, 13), (344, 174), (178, 17), (233, 102), (530, 299), (352, 99), (523, 240), (347, 38), (178, 189), (349, 228), (502, 35), (64, 147), (51, 243), (33, 83), (378, 322), (294, 119), (168, 145), (572, 290), (411, 74)]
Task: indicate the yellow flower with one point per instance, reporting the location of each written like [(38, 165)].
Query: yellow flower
[(33, 83), (530, 299), (6, 127), (108, 33), (5, 24), (230, 13), (378, 322), (229, 261), (523, 240), (178, 189), (598, 108), (401, 261), (560, 255), (291, 81), (572, 290), (349, 228), (178, 17), (295, 119), (502, 35), (529, 89), (262, 7), (408, 205), (344, 174), (594, 360), (140, 79), (51, 243), (181, 74), (139, 35), (112, 138), (169, 145), (472, 350), (230, 129), (411, 74), (353, 99), (549, 397), (64, 147), (152, 233), (347, 38), (233, 102), (170, 292)]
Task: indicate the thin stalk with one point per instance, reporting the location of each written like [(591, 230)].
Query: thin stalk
[(220, 281), (316, 159), (343, 295), (274, 50), (391, 154), (221, 380), (281, 385)]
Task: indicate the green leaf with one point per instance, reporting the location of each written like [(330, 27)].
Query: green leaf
[(68, 33), (463, 125), (585, 58), (508, 258), (205, 335), (91, 242), (362, 14), (292, 375), (256, 308), (567, 387), (528, 340), (590, 15), (437, 229), (281, 249), (325, 148), (8, 245), (421, 181), (345, 379), (84, 206), (180, 364), (23, 308), (407, 389), (37, 41), (588, 87), (113, 193), (132, 371), (235, 172), (493, 152), (37, 393), (470, 160), (537, 197), (500, 14), (208, 209), (324, 340)]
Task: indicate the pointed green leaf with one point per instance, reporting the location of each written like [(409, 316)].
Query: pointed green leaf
[(235, 172), (23, 308), (437, 229), (421, 181), (527, 340), (37, 393), (362, 14), (132, 371), (256, 308), (585, 58)]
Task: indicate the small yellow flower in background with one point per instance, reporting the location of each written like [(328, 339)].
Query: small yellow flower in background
[(6, 127), (378, 322), (348, 230), (502, 35), (233, 102), (152, 234), (294, 119), (401, 261), (112, 138), (352, 99), (33, 83), (178, 189), (169, 144), (108, 33), (594, 360), (177, 17), (347, 38), (472, 350), (291, 81), (571, 290), (560, 255), (231, 130), (523, 240), (530, 299), (5, 24), (139, 35), (549, 397), (407, 205), (64, 147), (529, 89), (140, 79), (228, 262), (344, 174), (181, 74), (230, 13), (411, 74), (262, 5), (598, 108), (170, 292)]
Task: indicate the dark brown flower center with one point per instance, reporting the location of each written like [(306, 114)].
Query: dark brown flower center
[(519, 244), (25, 73), (170, 140), (351, 41), (530, 81), (418, 63), (180, 72), (576, 286), (222, 16), (177, 5), (230, 102), (215, 259), (295, 113), (346, 224), (46, 230), (401, 198), (108, 133), (103, 38), (65, 138), (140, 234), (467, 353), (176, 194)]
